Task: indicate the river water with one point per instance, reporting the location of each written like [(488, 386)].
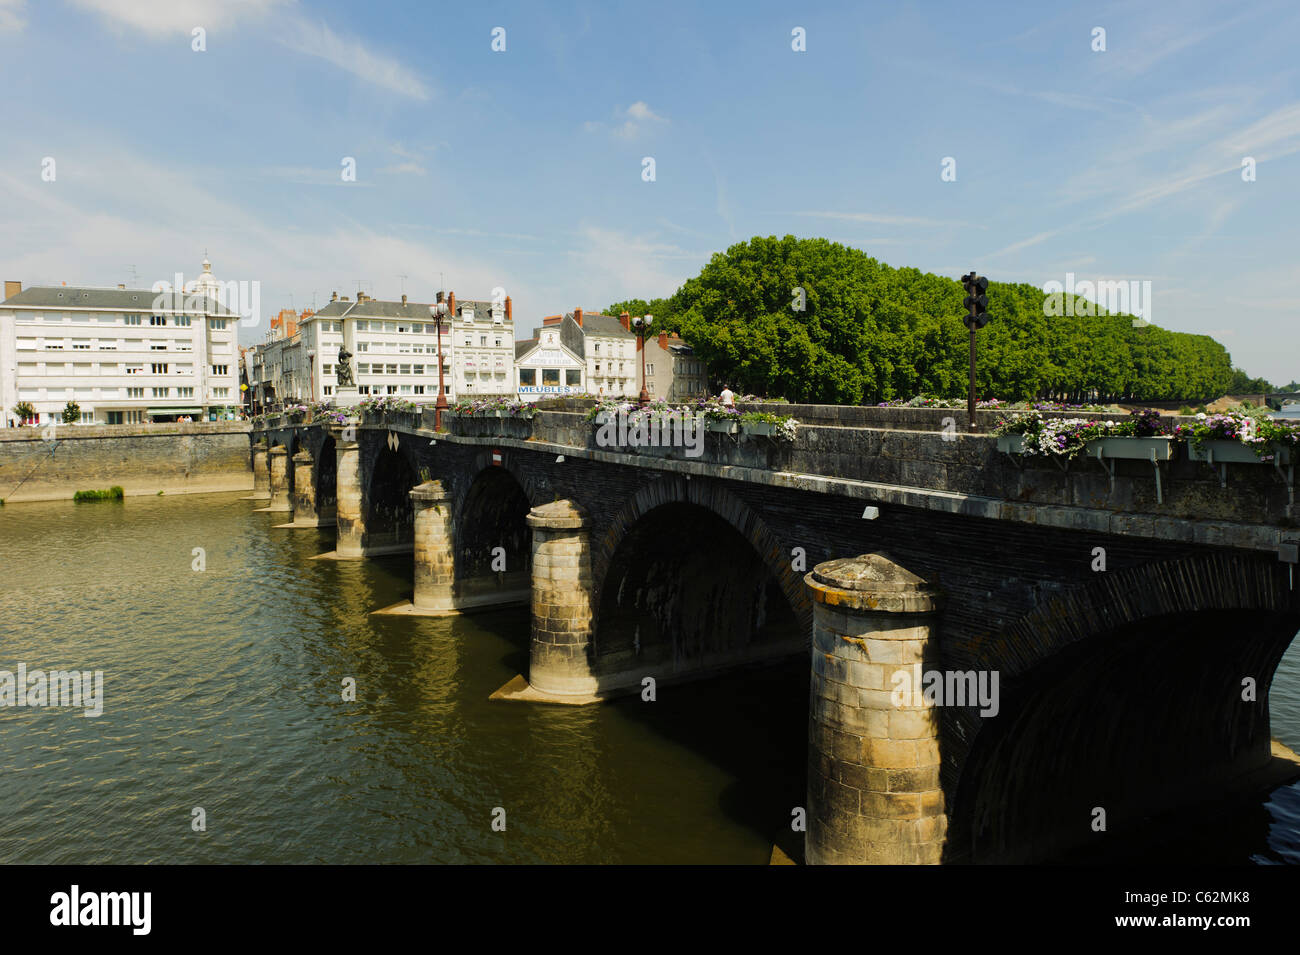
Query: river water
[(223, 692)]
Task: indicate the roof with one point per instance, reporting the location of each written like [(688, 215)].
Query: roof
[(374, 308), (116, 299), (606, 326), (524, 347)]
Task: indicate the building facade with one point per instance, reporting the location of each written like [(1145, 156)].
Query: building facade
[(124, 356), (578, 352), (671, 369), (394, 348)]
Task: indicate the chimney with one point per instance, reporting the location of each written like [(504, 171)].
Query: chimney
[(451, 303), (12, 288), (577, 316), (663, 341), (334, 296), (343, 298), (552, 320), (120, 285), (441, 296), (403, 298), (625, 320), (509, 312)]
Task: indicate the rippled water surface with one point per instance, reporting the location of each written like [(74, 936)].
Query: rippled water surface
[(222, 691)]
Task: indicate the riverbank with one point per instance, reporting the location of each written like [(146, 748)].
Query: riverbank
[(50, 464)]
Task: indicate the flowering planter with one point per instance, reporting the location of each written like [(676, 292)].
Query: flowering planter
[(764, 429), (1134, 449), (1228, 451), (1011, 443), (720, 426)]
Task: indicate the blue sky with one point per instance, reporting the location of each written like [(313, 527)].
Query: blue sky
[(523, 169)]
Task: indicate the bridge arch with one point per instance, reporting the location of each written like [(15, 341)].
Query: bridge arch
[(325, 475), (388, 515), (493, 540), (670, 572), (1106, 701)]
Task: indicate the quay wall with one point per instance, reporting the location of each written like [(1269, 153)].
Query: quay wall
[(181, 458)]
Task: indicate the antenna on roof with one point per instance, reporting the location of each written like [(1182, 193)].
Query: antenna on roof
[(403, 278), (135, 280), (442, 286)]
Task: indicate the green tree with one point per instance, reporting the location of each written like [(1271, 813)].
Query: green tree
[(71, 413)]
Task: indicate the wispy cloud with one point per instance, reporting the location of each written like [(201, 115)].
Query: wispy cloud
[(317, 39), (12, 16), (628, 123), (159, 19), (880, 218)]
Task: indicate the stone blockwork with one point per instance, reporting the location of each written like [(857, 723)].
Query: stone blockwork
[(562, 602), (261, 472), (873, 756), (434, 548), (281, 490), (142, 459), (348, 520)]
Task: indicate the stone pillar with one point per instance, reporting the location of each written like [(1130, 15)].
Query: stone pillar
[(561, 601), (351, 530), (304, 490), (261, 472), (279, 459), (873, 766), (434, 548)]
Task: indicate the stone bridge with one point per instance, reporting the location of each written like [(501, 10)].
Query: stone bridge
[(1128, 634)]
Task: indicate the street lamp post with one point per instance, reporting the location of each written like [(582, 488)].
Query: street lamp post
[(437, 312), (642, 326), (311, 372)]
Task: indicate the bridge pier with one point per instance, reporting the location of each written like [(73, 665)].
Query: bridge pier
[(278, 458), (351, 529), (559, 667), (435, 572), (306, 512), (261, 475), (873, 766)]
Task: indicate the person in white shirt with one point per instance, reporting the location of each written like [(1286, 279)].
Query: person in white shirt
[(728, 398)]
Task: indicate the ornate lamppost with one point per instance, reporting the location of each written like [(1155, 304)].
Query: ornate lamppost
[(438, 311), (642, 326)]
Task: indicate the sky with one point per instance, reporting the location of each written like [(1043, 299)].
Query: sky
[(524, 168)]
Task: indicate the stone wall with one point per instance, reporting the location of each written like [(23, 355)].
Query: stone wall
[(142, 459)]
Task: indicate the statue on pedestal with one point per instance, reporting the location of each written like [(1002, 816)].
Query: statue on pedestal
[(345, 366)]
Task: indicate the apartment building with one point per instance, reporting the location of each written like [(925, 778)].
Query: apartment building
[(394, 346), (124, 356), (671, 369), (579, 351)]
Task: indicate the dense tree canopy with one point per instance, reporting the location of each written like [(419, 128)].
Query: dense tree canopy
[(867, 332)]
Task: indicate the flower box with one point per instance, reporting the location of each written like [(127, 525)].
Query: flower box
[(720, 426), (760, 428), (1132, 448), (1228, 451), (1011, 443)]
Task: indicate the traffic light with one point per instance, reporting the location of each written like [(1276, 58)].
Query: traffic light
[(976, 302)]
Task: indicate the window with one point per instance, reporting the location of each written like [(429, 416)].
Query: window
[(362, 369), (107, 345), (419, 389), (363, 346), (134, 417), (157, 320), (131, 319), (81, 346), (182, 345), (528, 376), (217, 324), (597, 348), (404, 370), (573, 376), (417, 328), (363, 389), (114, 417), (390, 370), (363, 326), (469, 343), (157, 346), (327, 369), (55, 344), (158, 369), (160, 392), (329, 390), (406, 389), (417, 369), (182, 320), (134, 369), (392, 389), (220, 370), (550, 376), (498, 344), (184, 392), (649, 369), (221, 392), (401, 328), (482, 340)]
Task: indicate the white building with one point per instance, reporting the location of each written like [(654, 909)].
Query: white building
[(124, 356), (577, 352), (394, 348)]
